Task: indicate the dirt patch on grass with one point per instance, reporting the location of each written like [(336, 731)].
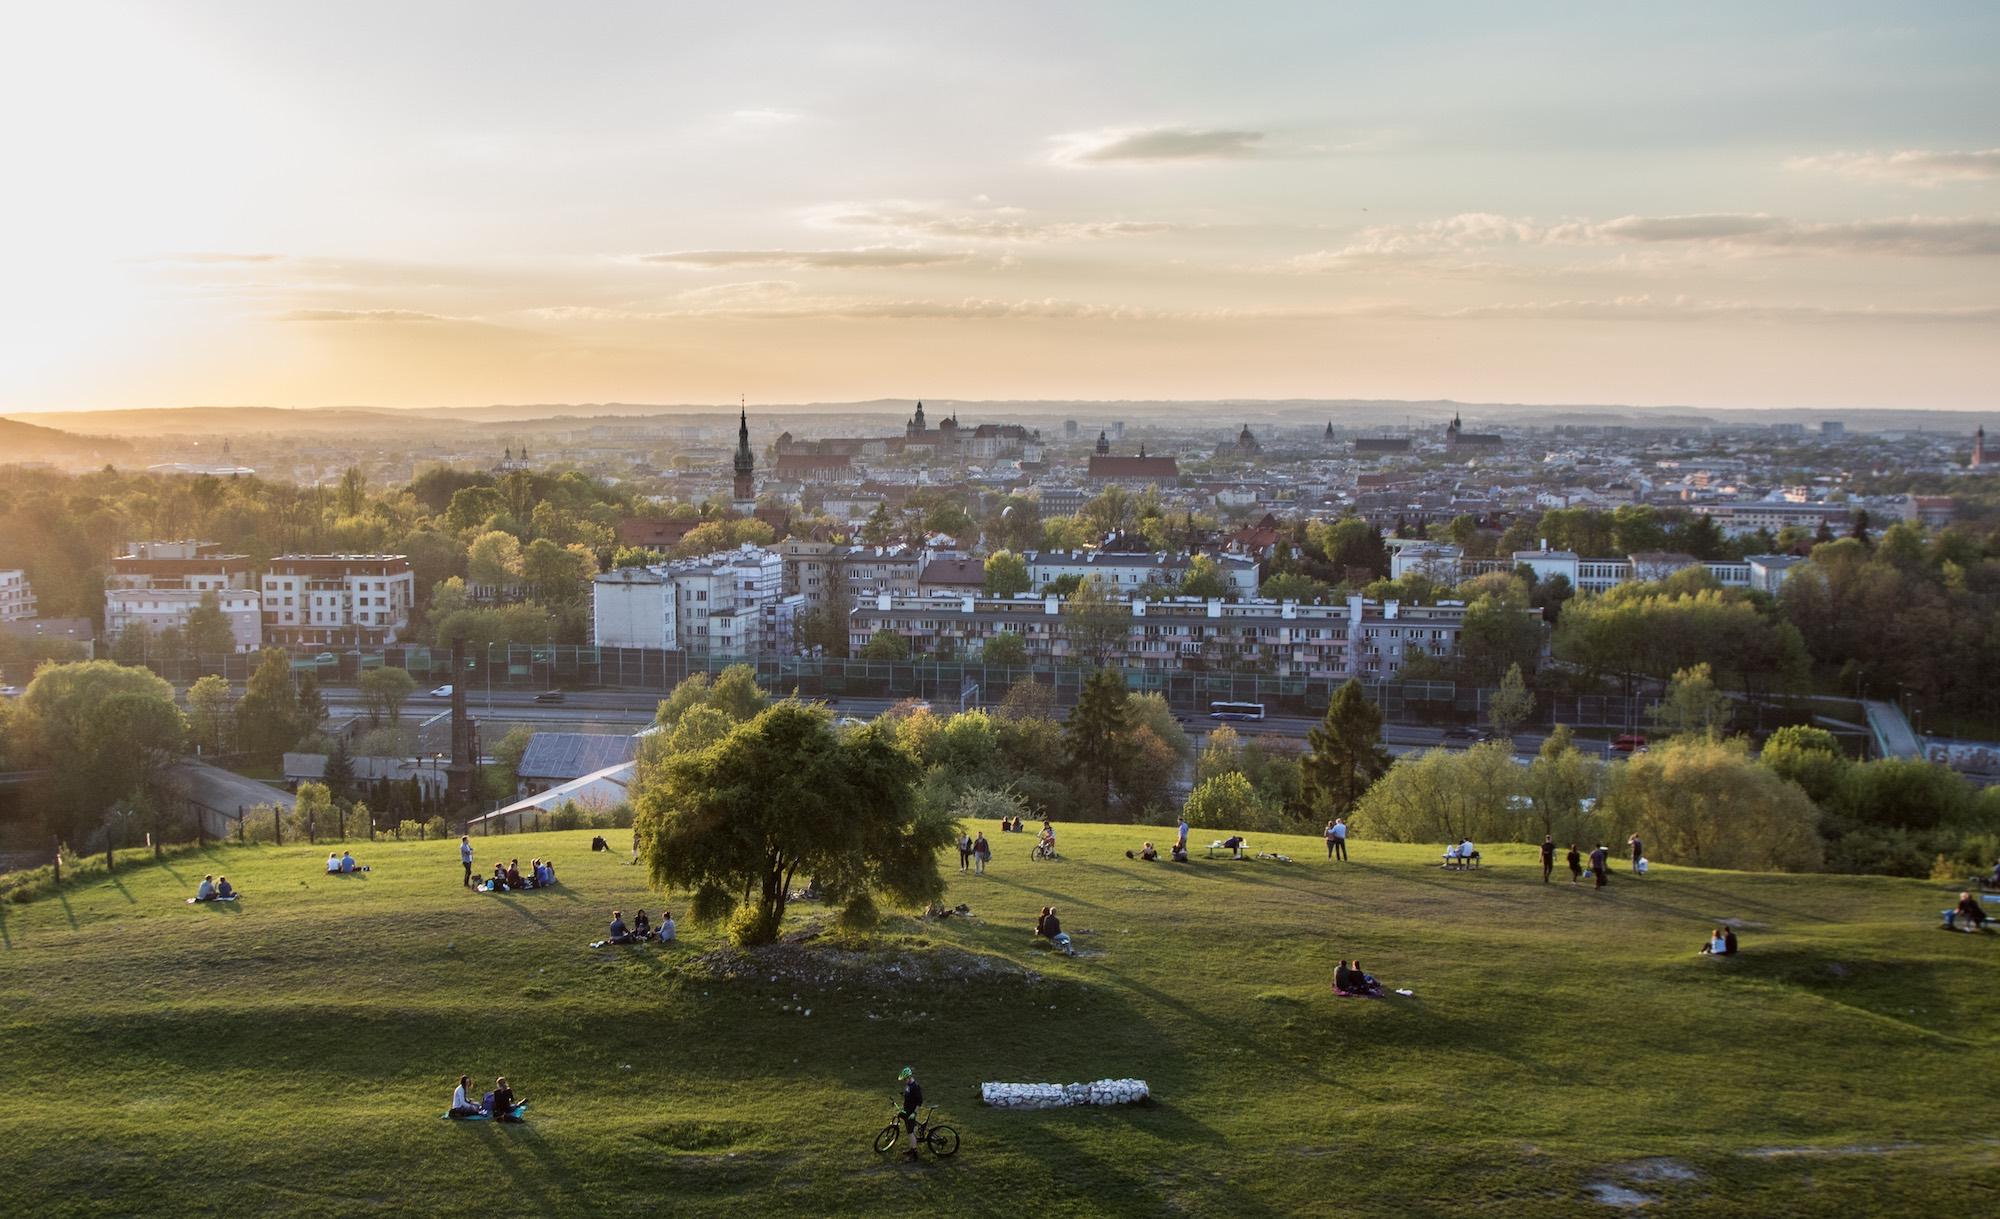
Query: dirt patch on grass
[(1618, 1192), (1618, 1195), (1848, 1149), (825, 965)]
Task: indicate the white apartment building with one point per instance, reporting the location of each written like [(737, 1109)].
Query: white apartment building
[(1359, 638), (337, 600), (158, 584), (1737, 519), (1125, 573), (17, 596), (829, 575), (1447, 564), (732, 603)]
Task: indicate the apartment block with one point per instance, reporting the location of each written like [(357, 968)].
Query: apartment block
[(158, 584), (338, 599), (1125, 573), (17, 596), (732, 603)]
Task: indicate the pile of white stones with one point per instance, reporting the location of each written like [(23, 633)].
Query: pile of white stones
[(1058, 1096)]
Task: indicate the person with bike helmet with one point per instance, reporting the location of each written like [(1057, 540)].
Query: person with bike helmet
[(913, 1099)]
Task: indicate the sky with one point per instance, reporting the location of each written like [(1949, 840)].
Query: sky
[(441, 204)]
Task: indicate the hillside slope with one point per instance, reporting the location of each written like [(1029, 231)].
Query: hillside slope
[(33, 442), (292, 1054)]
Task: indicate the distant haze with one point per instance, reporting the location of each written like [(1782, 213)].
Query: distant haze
[(457, 204)]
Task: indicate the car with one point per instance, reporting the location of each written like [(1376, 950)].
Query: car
[(441, 692), (326, 658), (1459, 733), (550, 696), (1630, 742), (10, 691)]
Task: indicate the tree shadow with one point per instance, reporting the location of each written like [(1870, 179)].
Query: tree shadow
[(118, 883), (63, 899)]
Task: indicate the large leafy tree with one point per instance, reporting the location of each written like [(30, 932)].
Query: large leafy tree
[(785, 797), (1703, 802), (1006, 574), (1095, 734), (1094, 622), (208, 711), (1345, 752), (100, 728), (383, 691), (208, 630), (267, 716)]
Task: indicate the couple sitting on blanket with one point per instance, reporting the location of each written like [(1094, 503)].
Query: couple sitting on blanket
[(341, 864), (499, 1104), (641, 929), (1350, 980), (212, 890), (508, 878), (1721, 943)]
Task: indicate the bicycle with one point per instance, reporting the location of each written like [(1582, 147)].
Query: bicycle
[(1042, 852), (942, 1140)]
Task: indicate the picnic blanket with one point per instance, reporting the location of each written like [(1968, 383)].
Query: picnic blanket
[(195, 901), (483, 1116)]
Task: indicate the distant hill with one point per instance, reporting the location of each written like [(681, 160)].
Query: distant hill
[(238, 420), (32, 442)]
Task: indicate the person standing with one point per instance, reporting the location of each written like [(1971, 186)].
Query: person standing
[(1600, 865), (1340, 839), (982, 851), (465, 857), (1329, 855), (964, 852), (1181, 843), (1575, 861), (1638, 850), (1548, 856), (913, 1099)]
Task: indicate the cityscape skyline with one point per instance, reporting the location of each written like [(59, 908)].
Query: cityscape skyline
[(451, 206)]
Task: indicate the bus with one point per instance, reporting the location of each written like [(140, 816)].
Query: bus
[(1236, 711)]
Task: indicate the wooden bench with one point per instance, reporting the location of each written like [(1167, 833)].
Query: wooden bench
[(1454, 862)]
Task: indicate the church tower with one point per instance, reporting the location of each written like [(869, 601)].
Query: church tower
[(916, 425), (1103, 443), (1978, 448), (745, 491)]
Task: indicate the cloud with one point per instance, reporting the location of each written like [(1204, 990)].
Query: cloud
[(1915, 166), (1683, 308), (362, 315), (1740, 233), (869, 257), (210, 258), (766, 116), (1155, 146), (1008, 224)]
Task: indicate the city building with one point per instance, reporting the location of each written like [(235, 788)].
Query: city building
[(17, 596), (353, 600), (1978, 461), (1932, 511), (1123, 573), (1135, 472), (1833, 429), (1447, 564), (732, 603), (1768, 572), (1357, 638), (744, 484), (1744, 517), (158, 584)]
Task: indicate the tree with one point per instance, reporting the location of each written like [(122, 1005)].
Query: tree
[(886, 644), (734, 693), (1345, 752), (1559, 780), (208, 629), (101, 729), (494, 558), (1227, 801), (507, 755), (311, 707), (339, 773), (784, 796), (1005, 648), (1095, 734), (1294, 586), (1094, 623), (824, 629), (1498, 634), (313, 807), (1511, 705), (1221, 754), (1203, 579), (134, 645), (352, 494), (1810, 757), (1444, 795), (1692, 704), (383, 691), (1107, 513), (208, 702), (1703, 802), (1006, 574), (557, 573), (267, 716)]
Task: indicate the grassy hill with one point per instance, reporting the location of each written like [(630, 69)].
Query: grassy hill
[(32, 442), (292, 1054)]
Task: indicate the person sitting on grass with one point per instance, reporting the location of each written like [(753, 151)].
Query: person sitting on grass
[(332, 864), (1180, 854), (1343, 978), (1717, 946), (497, 883), (1358, 983), (619, 933), (1968, 912), (223, 891), (514, 875), (642, 927), (505, 1102), (1148, 852), (548, 871), (205, 891), (461, 1104), (667, 928), (347, 863), (1049, 927)]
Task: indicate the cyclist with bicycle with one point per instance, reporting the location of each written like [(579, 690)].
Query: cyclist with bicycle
[(913, 1098)]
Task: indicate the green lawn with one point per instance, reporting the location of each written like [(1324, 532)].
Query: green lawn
[(292, 1054)]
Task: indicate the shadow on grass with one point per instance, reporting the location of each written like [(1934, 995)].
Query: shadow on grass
[(510, 1146)]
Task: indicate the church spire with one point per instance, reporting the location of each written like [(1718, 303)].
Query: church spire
[(746, 461)]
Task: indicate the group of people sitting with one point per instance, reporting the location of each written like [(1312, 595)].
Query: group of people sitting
[(1350, 979), (641, 929), (1010, 825), (500, 1104), (1461, 854), (507, 877), (341, 863), (1049, 927), (1968, 915), (213, 889), (1721, 943)]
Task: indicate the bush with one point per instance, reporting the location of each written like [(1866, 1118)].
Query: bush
[(754, 923)]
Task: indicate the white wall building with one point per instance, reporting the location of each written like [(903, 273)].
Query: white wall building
[(731, 603), (158, 584), (339, 599), (1124, 573), (17, 596)]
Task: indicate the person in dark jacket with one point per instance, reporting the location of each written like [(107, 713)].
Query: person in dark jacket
[(1968, 915), (1548, 856), (1575, 861), (619, 933), (1638, 850), (1049, 927), (504, 1101), (642, 927), (1600, 865), (913, 1099), (1343, 980)]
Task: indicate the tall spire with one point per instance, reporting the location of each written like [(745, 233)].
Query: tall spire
[(746, 461)]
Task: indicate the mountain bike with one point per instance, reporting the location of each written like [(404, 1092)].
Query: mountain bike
[(1042, 852), (942, 1140)]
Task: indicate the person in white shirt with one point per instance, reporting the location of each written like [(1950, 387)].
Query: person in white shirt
[(666, 926), (1450, 854), (1467, 856), (206, 891), (1340, 839), (332, 863), (461, 1104)]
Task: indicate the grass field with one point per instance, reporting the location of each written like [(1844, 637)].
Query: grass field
[(292, 1054)]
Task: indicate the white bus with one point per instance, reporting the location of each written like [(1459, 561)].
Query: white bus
[(1236, 711)]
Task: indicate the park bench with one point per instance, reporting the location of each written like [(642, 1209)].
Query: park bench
[(1454, 862), (1236, 852)]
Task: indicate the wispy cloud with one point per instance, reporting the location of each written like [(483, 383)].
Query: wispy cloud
[(999, 224), (1155, 146), (766, 116), (363, 315), (1914, 166), (867, 257), (206, 258)]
